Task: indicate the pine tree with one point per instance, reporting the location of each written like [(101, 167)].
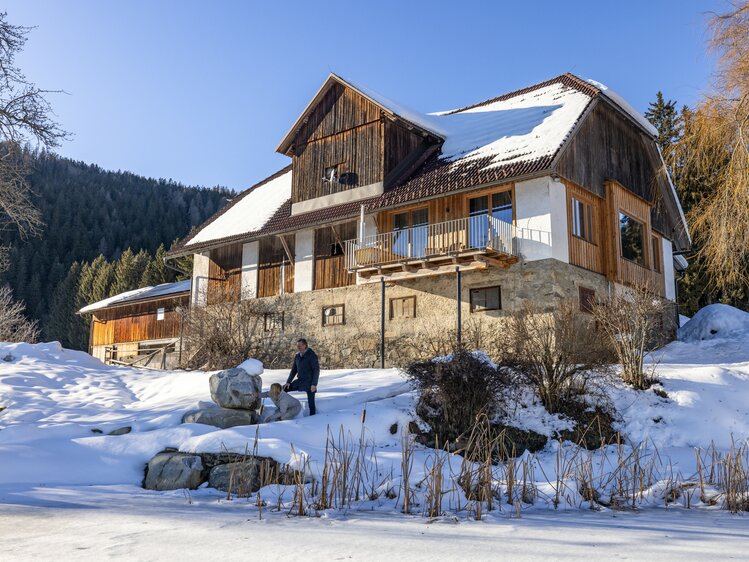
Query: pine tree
[(63, 324), (664, 117)]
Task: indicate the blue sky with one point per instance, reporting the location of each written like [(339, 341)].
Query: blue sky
[(202, 92)]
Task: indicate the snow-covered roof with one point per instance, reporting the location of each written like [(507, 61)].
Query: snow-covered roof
[(163, 290), (625, 106), (528, 126), (495, 140), (251, 210)]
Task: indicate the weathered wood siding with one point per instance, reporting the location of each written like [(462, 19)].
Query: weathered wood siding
[(275, 269), (345, 128), (582, 252), (137, 322), (618, 268), (330, 270), (402, 148), (224, 274), (608, 147)]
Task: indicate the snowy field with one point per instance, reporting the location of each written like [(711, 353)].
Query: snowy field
[(67, 492)]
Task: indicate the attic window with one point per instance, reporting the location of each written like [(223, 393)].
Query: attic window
[(331, 174), (159, 314)]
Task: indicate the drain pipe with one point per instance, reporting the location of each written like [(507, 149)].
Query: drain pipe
[(459, 335), (382, 322)]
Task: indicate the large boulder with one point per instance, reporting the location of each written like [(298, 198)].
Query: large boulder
[(245, 477), (236, 388), (221, 417), (173, 471)]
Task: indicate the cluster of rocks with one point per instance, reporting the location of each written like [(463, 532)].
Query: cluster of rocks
[(240, 475), (236, 396)]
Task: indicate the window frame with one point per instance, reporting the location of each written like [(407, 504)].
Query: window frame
[(406, 298), (656, 250), (586, 298), (160, 314), (489, 194), (587, 221), (472, 304), (342, 315), (268, 320), (643, 237)]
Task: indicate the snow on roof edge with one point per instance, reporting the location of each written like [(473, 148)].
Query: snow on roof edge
[(624, 105), (164, 289)]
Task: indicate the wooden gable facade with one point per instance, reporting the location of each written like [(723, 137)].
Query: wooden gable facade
[(345, 133)]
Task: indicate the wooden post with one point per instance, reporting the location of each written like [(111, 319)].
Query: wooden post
[(382, 322)]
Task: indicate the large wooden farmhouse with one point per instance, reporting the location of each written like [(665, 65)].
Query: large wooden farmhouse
[(390, 228)]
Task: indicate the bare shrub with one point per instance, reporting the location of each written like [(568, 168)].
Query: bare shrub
[(556, 353), (635, 322), (14, 326), (222, 335), (452, 392)]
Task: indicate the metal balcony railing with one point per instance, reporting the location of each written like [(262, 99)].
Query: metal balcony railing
[(478, 234)]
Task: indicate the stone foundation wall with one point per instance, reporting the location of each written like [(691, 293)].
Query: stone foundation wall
[(356, 343)]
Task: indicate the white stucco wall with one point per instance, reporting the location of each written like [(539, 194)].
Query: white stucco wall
[(199, 290), (304, 261), (541, 213), (668, 269), (250, 256)]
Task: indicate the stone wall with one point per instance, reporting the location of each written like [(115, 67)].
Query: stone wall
[(356, 343)]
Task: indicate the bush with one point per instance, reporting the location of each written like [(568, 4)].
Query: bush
[(14, 326), (455, 390), (635, 322), (222, 335), (559, 354)]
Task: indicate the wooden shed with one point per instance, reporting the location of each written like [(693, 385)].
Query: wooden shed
[(142, 327)]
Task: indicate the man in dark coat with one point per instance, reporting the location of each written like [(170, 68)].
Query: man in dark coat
[(306, 369)]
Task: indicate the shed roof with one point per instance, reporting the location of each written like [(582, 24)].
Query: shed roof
[(144, 293)]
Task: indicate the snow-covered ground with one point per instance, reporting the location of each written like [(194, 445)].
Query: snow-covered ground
[(68, 492)]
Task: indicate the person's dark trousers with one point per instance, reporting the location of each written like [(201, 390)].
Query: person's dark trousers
[(294, 386)]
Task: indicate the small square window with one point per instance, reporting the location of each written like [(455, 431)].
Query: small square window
[(587, 299), (333, 315), (273, 321), (403, 307), (160, 313), (486, 298)]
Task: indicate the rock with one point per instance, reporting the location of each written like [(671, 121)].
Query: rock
[(251, 366), (8, 358), (236, 388), (121, 430), (221, 417), (245, 476), (173, 471), (96, 430)]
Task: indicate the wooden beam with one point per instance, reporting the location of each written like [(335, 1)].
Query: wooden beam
[(286, 248)]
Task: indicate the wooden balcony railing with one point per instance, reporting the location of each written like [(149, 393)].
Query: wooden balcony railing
[(462, 237)]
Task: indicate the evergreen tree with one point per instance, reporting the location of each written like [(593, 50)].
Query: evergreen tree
[(63, 324), (665, 117)]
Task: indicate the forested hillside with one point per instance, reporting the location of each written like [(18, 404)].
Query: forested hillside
[(90, 212)]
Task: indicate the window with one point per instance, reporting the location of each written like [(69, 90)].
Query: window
[(582, 220), (632, 243), (333, 315), (587, 299), (403, 307), (273, 321), (486, 298), (160, 313), (656, 254), (410, 232), (497, 205)]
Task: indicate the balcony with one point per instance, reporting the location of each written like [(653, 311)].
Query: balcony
[(476, 242)]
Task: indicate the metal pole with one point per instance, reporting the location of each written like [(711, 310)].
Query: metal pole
[(382, 323), (457, 270)]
